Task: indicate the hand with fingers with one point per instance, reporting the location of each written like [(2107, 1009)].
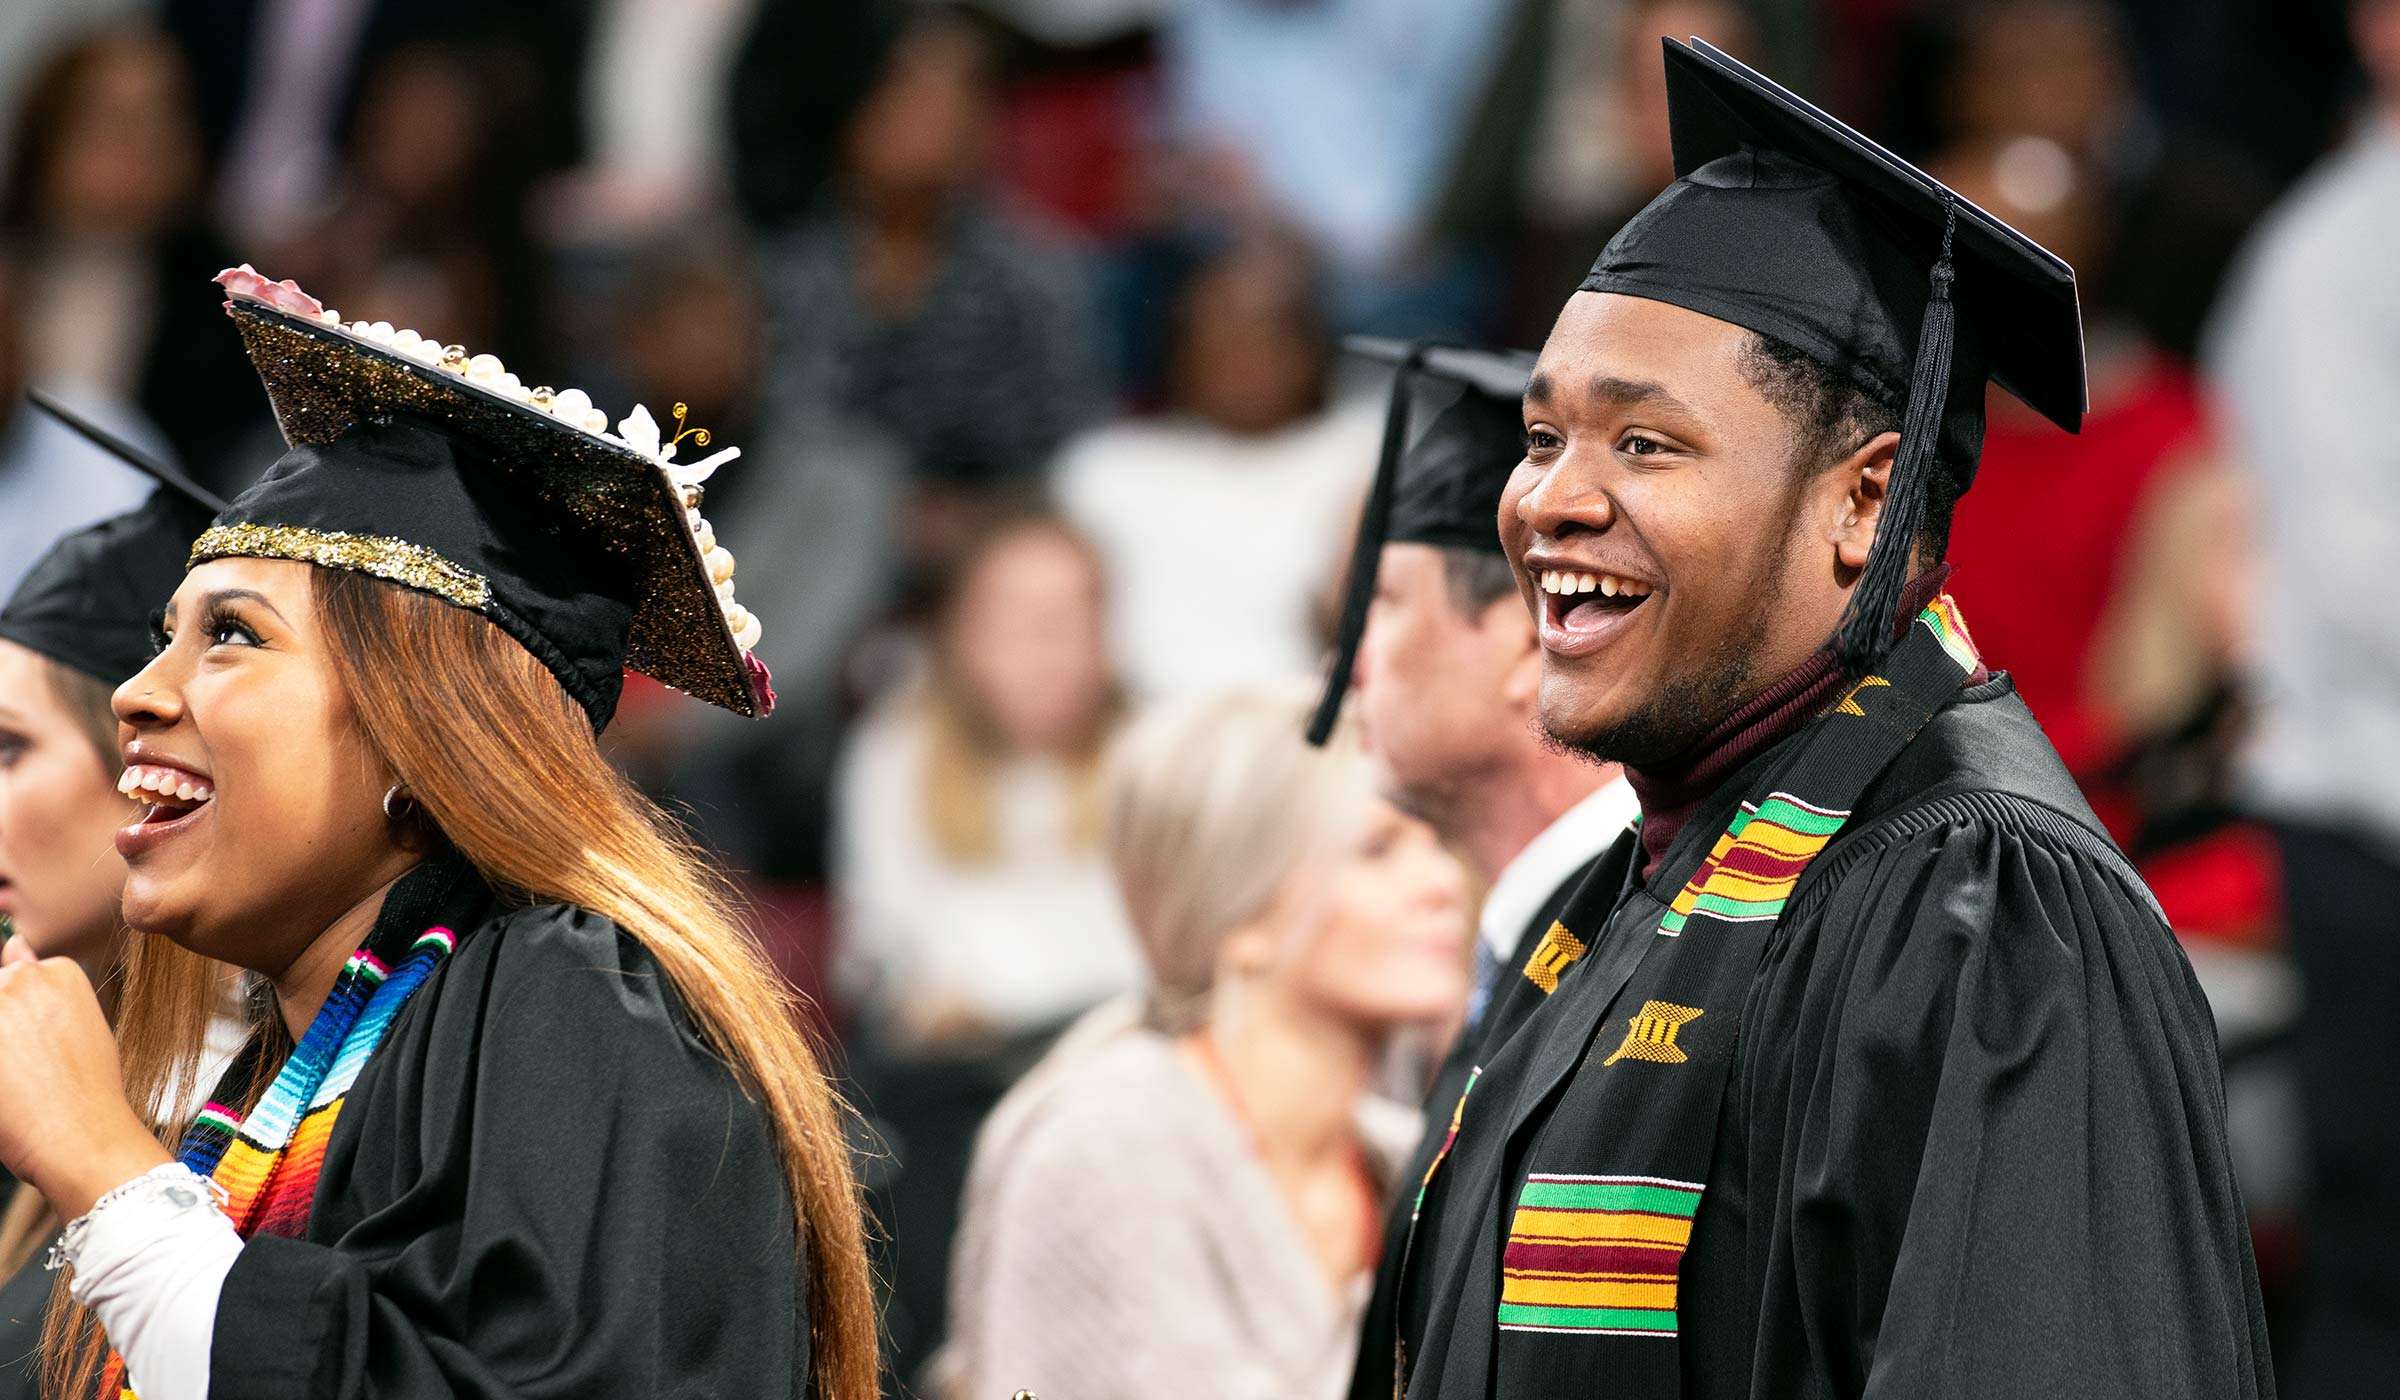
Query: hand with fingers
[(65, 1125)]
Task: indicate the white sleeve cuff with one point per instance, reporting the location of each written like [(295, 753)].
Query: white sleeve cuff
[(150, 1264)]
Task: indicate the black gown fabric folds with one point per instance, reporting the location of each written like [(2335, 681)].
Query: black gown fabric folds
[(1972, 1146), (541, 1185)]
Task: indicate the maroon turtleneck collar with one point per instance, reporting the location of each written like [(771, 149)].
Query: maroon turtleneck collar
[(1671, 791)]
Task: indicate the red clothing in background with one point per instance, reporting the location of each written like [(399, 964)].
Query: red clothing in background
[(2038, 544)]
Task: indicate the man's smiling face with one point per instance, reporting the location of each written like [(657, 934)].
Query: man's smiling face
[(1678, 560)]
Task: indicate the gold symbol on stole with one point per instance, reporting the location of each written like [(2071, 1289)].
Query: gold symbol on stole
[(1849, 705), (1652, 1035), (1558, 950)]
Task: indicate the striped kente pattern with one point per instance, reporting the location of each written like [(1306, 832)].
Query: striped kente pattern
[(1755, 864), (1596, 1254), (1941, 617), (265, 1164), (1458, 1115)]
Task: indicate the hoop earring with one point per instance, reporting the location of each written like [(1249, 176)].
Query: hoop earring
[(398, 806)]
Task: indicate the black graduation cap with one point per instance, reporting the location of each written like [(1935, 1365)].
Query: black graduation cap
[(1786, 222), (89, 601), (1442, 489), (422, 465)]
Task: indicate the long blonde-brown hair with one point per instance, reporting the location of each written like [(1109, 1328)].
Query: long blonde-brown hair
[(506, 769)]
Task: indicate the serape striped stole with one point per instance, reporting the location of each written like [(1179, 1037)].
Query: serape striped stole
[(264, 1164), (1618, 1165)]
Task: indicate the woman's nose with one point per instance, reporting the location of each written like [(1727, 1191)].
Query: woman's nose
[(147, 701)]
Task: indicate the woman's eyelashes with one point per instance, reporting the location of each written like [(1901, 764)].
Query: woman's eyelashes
[(218, 627), (12, 748), (222, 628)]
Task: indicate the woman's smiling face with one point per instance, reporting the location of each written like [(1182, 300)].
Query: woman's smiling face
[(265, 821)]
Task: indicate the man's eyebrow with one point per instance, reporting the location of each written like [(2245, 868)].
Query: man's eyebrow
[(1537, 389), (1636, 393)]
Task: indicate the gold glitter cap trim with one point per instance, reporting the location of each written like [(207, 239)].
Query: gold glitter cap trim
[(397, 560)]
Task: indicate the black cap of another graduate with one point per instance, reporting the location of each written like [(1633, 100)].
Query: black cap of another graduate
[(1786, 222), (424, 466), (89, 602), (1443, 488)]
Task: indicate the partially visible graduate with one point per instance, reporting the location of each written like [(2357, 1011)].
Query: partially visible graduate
[(1867, 1066), (77, 625), (524, 1112)]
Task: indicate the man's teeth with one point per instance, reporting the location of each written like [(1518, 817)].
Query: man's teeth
[(164, 784), (1568, 581)]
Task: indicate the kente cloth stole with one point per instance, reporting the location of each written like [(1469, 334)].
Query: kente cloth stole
[(264, 1163), (1619, 1162)]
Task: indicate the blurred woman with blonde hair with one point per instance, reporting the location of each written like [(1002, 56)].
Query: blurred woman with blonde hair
[(1185, 1201)]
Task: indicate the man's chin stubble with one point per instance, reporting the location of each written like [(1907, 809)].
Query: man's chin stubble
[(1679, 715)]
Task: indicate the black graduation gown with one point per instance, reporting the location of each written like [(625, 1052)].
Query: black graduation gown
[(1972, 1143), (1372, 1379), (23, 1300), (541, 1185)]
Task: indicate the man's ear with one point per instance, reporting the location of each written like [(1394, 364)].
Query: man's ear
[(1863, 477), (1509, 629)]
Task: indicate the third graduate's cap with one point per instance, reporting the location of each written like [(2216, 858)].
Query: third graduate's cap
[(1440, 487), (89, 601)]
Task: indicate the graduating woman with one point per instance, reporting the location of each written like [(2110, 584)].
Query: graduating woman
[(77, 624), (524, 1112)]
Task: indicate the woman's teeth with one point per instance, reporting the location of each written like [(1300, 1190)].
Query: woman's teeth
[(163, 785), (1567, 581)]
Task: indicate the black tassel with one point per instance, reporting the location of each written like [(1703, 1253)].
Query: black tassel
[(1366, 555), (1868, 627)]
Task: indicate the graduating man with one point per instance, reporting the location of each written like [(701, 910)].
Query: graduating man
[(1868, 1067), (1441, 654)]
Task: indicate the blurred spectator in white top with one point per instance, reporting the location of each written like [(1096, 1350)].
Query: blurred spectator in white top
[(977, 914), (2307, 355), (976, 905), (917, 307), (102, 202), (1222, 519)]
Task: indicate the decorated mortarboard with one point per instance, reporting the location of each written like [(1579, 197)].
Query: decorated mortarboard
[(1441, 488), (428, 467), (1786, 222), (89, 602)]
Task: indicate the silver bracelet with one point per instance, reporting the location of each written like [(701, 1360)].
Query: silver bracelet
[(172, 1183)]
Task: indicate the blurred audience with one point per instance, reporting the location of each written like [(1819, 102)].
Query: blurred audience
[(1546, 257), (51, 479), (2306, 358), (427, 228), (1341, 117), (103, 201), (1222, 518), (801, 72), (977, 916), (1292, 923), (915, 306)]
